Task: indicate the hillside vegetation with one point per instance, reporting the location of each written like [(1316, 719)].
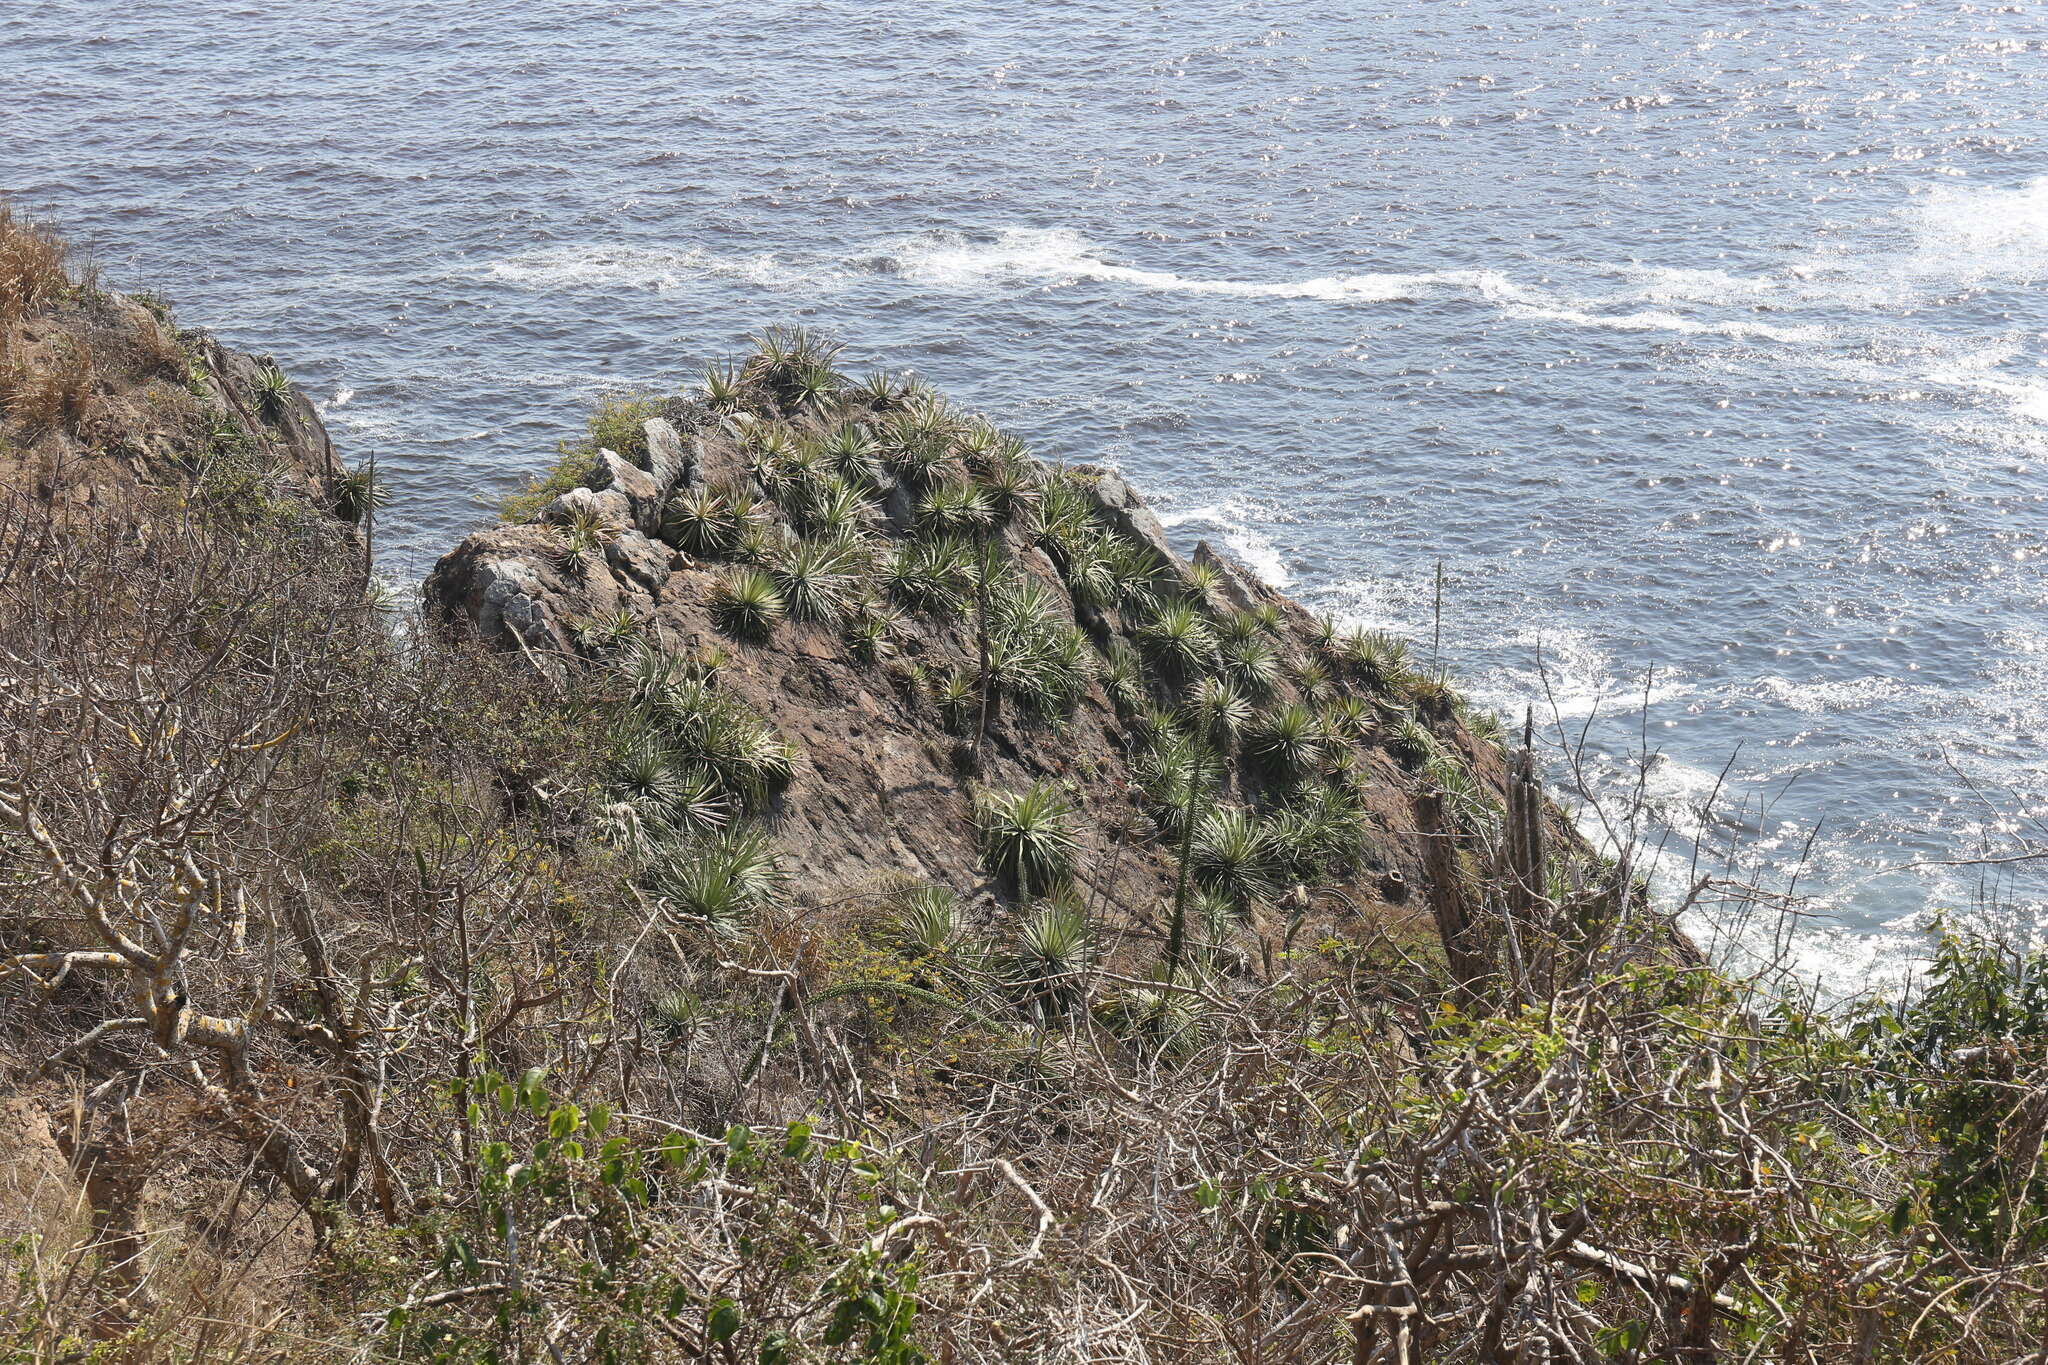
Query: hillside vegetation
[(830, 886)]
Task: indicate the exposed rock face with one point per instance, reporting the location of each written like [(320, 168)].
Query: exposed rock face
[(884, 786)]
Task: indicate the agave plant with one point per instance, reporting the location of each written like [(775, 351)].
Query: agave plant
[(926, 922), (1252, 664), (747, 605), (1411, 741), (1316, 835), (958, 698), (359, 492), (1012, 488), (880, 391), (930, 575), (1063, 514), (721, 737), (829, 506), (1123, 677), (700, 521), (586, 532), (1236, 627), (1311, 679), (1232, 855), (723, 388), (1180, 640), (717, 882), (1323, 632), (1089, 570), (1289, 741), (1381, 658), (815, 386), (1029, 838), (1432, 694), (1170, 1022), (955, 509), (871, 632), (816, 577), (916, 447), (1138, 572), (784, 356), (1201, 580), (851, 452), (273, 391), (1177, 773), (1348, 719), (1046, 964), (1217, 709)]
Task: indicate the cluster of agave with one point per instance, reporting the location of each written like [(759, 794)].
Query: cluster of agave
[(689, 763)]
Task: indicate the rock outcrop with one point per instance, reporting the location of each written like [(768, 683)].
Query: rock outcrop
[(885, 785)]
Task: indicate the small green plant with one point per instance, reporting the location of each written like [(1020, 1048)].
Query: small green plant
[(359, 492), (1052, 952), (723, 388), (1180, 640), (1123, 677), (926, 921), (1289, 741), (1232, 855), (1217, 709), (1411, 742), (930, 575), (1252, 664), (1029, 838), (1012, 487), (718, 882), (700, 521), (747, 605), (1311, 679), (851, 452), (955, 509), (815, 578), (273, 392)]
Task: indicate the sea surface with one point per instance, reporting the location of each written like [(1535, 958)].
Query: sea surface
[(1701, 345)]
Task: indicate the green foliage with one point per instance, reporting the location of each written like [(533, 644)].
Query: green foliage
[(1044, 965), (700, 521), (1180, 640), (1288, 741), (615, 424), (747, 604), (816, 578), (718, 880), (1218, 709), (1233, 855), (930, 575), (1029, 838), (1963, 1054), (955, 508), (273, 391), (1252, 664), (357, 493)]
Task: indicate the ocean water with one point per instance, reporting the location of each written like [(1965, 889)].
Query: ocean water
[(1702, 345)]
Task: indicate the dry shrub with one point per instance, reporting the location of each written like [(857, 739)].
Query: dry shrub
[(32, 274), (56, 392)]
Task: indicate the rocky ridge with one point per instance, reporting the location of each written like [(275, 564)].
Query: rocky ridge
[(887, 771)]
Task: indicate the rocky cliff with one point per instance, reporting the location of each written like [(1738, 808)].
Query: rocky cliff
[(990, 623)]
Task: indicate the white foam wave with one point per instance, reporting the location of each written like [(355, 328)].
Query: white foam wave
[(1248, 545), (950, 260), (1659, 320), (654, 268)]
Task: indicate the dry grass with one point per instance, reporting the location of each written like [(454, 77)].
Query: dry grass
[(32, 273)]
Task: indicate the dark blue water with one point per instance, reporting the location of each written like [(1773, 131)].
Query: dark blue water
[(1702, 343)]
